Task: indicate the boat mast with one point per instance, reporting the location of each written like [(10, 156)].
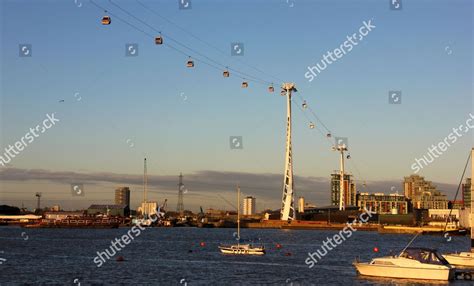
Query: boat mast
[(145, 182), (238, 213), (472, 200)]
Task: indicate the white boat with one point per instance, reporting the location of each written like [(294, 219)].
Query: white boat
[(244, 249), (412, 263), (466, 259), (241, 249)]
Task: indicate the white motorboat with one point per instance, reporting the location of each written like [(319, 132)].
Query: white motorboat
[(241, 249), (412, 263), (465, 259)]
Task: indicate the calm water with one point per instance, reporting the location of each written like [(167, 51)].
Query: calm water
[(174, 256)]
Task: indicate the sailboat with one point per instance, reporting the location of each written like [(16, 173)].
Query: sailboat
[(466, 259), (241, 249)]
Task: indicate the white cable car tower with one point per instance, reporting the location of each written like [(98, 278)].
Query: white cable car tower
[(288, 201), (342, 192)]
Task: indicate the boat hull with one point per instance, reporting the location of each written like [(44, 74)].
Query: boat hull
[(367, 269), (228, 250), (460, 259)]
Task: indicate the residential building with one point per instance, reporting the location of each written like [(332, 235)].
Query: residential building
[(384, 204), (423, 194), (122, 196), (466, 193), (249, 205), (349, 189)]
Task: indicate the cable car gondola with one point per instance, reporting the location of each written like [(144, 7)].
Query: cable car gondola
[(328, 135), (226, 73), (304, 105), (106, 20), (245, 84), (159, 40), (271, 88), (190, 63), (311, 125)]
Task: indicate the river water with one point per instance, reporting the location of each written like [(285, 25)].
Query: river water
[(189, 256)]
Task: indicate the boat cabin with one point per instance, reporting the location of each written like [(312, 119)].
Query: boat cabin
[(424, 255)]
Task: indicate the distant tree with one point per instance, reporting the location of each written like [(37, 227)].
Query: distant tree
[(9, 210)]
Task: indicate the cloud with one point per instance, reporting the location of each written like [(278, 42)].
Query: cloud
[(208, 187)]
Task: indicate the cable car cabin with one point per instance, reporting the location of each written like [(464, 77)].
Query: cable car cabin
[(226, 74), (106, 20), (159, 40), (271, 89), (328, 135), (304, 105), (190, 64), (245, 84), (311, 125)]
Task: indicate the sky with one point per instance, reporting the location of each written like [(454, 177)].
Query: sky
[(114, 110)]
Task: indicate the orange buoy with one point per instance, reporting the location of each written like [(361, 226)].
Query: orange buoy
[(202, 244), (278, 246), (376, 249)]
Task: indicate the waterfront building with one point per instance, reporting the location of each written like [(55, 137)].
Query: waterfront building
[(301, 204), (60, 215), (423, 194), (111, 210), (122, 196), (349, 189), (56, 208), (149, 207), (466, 193), (249, 205), (384, 204)]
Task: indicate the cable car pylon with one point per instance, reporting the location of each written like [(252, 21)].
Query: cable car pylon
[(288, 202)]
